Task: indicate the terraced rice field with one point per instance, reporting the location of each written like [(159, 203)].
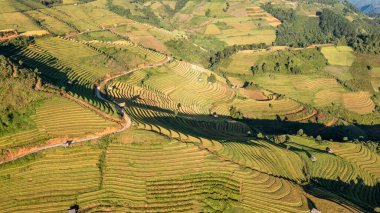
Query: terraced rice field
[(326, 98), (351, 170), (265, 157), (51, 182), (18, 21), (189, 183), (23, 139), (141, 175), (129, 53), (264, 109), (50, 22), (153, 110), (192, 81), (53, 58), (304, 88), (257, 12), (146, 35), (85, 17), (340, 72), (62, 117), (255, 36), (241, 62), (359, 102), (340, 55), (8, 6)]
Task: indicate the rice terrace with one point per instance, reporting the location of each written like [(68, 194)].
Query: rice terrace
[(189, 106)]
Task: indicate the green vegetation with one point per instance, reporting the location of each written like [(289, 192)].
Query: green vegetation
[(188, 106), (340, 55), (291, 62), (185, 50), (327, 27), (18, 99)]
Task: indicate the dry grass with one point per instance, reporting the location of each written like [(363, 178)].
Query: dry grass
[(35, 33), (359, 102), (149, 41)]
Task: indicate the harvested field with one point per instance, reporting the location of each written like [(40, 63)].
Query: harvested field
[(359, 102)]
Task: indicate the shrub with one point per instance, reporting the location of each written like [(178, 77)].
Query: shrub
[(300, 132)]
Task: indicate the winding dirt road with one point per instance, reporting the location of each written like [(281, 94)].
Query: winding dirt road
[(65, 142)]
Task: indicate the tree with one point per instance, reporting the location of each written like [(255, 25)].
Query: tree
[(318, 138), (260, 135), (208, 13), (300, 132), (264, 67), (277, 67), (254, 70), (211, 78)]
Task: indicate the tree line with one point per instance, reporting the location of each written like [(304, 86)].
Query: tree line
[(328, 27), (228, 51)]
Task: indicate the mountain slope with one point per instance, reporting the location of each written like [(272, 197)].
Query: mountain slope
[(367, 6)]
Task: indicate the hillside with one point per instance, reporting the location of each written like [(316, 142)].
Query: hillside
[(189, 106)]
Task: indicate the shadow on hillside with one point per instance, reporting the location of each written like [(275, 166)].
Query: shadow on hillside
[(225, 128), (60, 78), (353, 192), (197, 125)]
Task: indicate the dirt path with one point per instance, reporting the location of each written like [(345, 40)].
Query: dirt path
[(65, 142)]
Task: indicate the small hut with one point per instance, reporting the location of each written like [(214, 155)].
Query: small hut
[(121, 104), (329, 150), (314, 210), (73, 209), (313, 158)]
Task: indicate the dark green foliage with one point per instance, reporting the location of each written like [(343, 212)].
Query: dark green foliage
[(367, 44), (235, 113), (21, 41), (180, 4), (335, 24), (186, 50), (118, 9), (211, 78), (51, 2), (223, 25), (147, 17), (103, 143), (18, 99), (279, 13), (209, 43), (208, 13), (297, 30), (330, 27), (360, 74), (228, 51), (291, 61)]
